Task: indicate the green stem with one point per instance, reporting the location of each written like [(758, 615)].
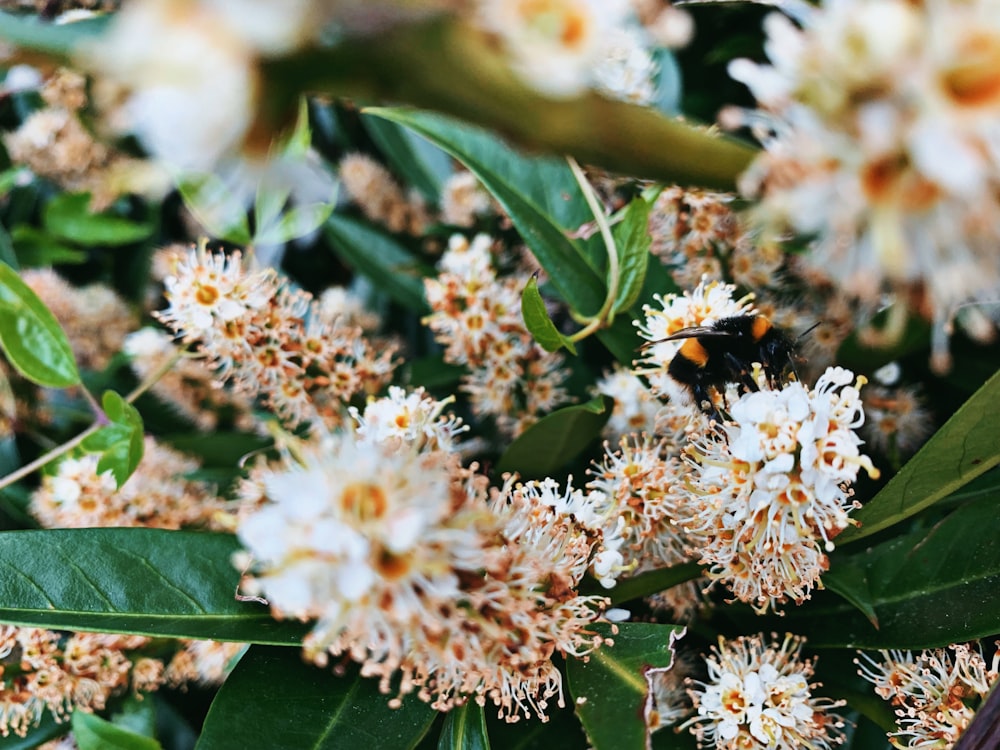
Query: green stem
[(604, 316), (71, 444)]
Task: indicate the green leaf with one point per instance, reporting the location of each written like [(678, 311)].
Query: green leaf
[(68, 217), (538, 322), (433, 372), (220, 212), (7, 254), (633, 241), (119, 443), (651, 582), (32, 33), (218, 448), (137, 713), (94, 733), (966, 446), (610, 689), (178, 584), (379, 257), (421, 165), (296, 222), (47, 729), (316, 710), (31, 336), (556, 439), (37, 248), (544, 202), (464, 729), (925, 589), (561, 732)]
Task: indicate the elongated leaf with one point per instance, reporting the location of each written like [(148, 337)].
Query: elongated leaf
[(68, 217), (538, 322), (544, 202), (36, 248), (633, 242), (119, 443), (221, 213), (297, 222), (179, 584), (651, 582), (966, 446), (610, 690), (7, 254), (423, 166), (556, 439), (926, 589), (316, 710), (464, 729), (379, 257), (32, 33), (561, 732), (94, 733), (31, 336)]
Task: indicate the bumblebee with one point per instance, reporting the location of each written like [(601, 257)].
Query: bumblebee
[(724, 352)]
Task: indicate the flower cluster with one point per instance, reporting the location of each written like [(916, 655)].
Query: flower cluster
[(766, 493), (187, 387), (879, 123), (635, 409), (158, 495), (264, 338), (477, 317), (758, 695), (95, 318), (373, 189), (408, 567), (935, 692), (46, 671)]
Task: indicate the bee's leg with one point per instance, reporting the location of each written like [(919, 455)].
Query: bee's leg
[(740, 374)]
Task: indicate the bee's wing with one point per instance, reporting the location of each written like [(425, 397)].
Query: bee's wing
[(692, 332)]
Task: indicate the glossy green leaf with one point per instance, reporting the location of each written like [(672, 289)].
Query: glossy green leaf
[(36, 248), (33, 33), (434, 372), (464, 729), (220, 212), (298, 706), (610, 690), (137, 714), (7, 254), (393, 268), (538, 322), (31, 336), (94, 733), (966, 446), (421, 165), (119, 443), (296, 222), (633, 241), (68, 217), (926, 589), (545, 204), (179, 584), (556, 439), (561, 732), (651, 582)]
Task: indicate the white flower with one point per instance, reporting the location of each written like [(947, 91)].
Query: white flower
[(554, 44), (758, 695), (764, 497)]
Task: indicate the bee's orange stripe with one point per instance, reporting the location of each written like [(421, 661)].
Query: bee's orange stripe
[(693, 351)]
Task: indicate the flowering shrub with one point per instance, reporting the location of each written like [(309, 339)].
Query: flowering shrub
[(364, 425)]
